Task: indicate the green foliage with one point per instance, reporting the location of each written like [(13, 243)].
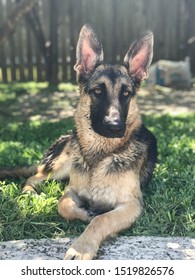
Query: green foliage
[(169, 200)]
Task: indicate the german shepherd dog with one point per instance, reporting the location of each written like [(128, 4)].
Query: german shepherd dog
[(111, 155)]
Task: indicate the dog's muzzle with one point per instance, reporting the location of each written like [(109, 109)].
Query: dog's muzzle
[(114, 126)]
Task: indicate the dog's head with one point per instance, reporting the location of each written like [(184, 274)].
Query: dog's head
[(111, 89)]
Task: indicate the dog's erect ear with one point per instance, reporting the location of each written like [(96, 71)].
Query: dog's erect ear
[(89, 52), (139, 58)]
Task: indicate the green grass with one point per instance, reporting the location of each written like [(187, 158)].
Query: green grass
[(11, 90), (169, 200)]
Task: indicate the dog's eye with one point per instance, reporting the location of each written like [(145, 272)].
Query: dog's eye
[(126, 93), (97, 91)]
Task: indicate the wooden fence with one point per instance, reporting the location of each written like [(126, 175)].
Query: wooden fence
[(43, 44)]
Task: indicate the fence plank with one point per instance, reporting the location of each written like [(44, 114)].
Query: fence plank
[(29, 63), (63, 14), (72, 26), (12, 54), (21, 54), (2, 49)]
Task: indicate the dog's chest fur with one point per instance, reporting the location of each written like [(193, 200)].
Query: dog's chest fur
[(100, 178)]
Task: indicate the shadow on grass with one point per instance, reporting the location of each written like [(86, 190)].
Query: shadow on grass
[(24, 143), (32, 101)]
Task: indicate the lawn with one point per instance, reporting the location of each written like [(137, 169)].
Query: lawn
[(169, 200)]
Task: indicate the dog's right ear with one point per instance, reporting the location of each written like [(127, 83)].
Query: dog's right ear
[(139, 58), (89, 52)]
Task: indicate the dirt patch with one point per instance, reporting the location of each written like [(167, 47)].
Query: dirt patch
[(166, 100)]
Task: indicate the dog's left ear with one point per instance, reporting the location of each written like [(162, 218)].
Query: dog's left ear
[(89, 52), (139, 58)]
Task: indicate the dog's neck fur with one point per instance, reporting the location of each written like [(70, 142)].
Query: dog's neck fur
[(90, 140)]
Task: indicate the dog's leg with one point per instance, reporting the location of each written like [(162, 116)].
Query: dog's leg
[(60, 171), (33, 181), (69, 207), (56, 164), (101, 227)]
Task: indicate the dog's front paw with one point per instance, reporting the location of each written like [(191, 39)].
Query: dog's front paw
[(29, 189), (81, 250)]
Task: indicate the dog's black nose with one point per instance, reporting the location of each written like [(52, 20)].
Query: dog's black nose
[(114, 126)]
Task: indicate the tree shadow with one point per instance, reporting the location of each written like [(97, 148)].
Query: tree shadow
[(25, 143), (166, 100), (48, 104)]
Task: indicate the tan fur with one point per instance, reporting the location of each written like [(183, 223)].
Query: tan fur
[(60, 169), (68, 208), (31, 182), (102, 226)]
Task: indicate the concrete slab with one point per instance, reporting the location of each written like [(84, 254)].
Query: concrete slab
[(123, 248)]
